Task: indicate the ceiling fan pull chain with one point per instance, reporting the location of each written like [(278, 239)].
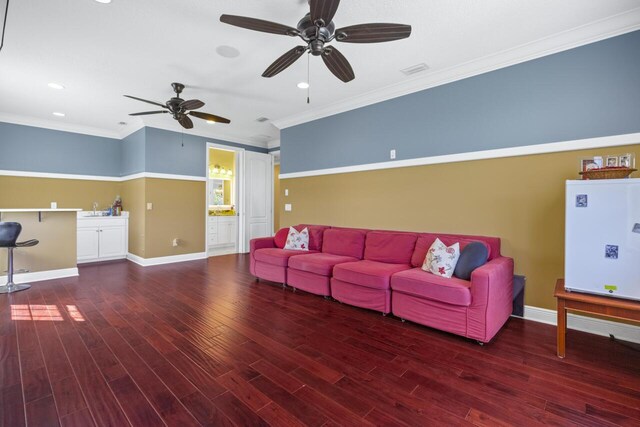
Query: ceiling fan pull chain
[(308, 78)]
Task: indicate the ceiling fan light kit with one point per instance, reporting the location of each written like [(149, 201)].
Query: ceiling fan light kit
[(180, 109), (317, 29)]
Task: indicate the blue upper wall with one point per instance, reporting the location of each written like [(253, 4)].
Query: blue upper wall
[(132, 154), (586, 92), (175, 153), (33, 149)]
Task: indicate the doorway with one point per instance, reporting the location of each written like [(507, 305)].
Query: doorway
[(239, 198), (223, 197)]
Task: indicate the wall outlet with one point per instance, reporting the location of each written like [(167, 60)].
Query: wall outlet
[(286, 191), (54, 205), (392, 154), (174, 243), (287, 207), (149, 206)]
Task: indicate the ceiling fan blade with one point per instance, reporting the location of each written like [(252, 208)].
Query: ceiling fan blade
[(284, 61), (338, 64), (324, 10), (148, 112), (147, 101), (259, 25), (373, 33), (186, 122), (209, 117), (192, 104)]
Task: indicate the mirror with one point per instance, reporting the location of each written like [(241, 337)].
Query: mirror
[(216, 196)]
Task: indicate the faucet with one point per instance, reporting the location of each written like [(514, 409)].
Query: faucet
[(95, 207)]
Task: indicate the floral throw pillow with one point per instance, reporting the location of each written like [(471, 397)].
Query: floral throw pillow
[(442, 259), (297, 240)]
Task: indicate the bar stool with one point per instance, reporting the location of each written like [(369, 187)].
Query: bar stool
[(9, 232)]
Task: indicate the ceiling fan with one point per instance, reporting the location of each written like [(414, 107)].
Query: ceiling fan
[(179, 108), (317, 29)]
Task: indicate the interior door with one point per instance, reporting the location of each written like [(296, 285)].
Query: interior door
[(258, 184)]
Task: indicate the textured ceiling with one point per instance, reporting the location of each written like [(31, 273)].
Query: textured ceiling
[(100, 52)]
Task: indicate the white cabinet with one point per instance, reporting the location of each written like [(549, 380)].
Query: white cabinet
[(223, 235), (102, 238)]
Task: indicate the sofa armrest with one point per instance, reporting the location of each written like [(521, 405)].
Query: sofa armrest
[(491, 298), (262, 242), (496, 273)]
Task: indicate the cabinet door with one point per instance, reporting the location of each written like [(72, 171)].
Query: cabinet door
[(88, 238), (112, 241)]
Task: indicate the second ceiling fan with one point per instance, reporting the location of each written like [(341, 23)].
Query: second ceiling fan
[(317, 29)]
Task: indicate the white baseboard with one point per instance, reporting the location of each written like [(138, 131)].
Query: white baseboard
[(591, 325), (38, 276), (146, 262)]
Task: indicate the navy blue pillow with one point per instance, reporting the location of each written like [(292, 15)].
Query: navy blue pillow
[(473, 255)]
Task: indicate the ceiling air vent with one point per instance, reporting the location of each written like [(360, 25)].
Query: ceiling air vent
[(415, 69), (262, 119)]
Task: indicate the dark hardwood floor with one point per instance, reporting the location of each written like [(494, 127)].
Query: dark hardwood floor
[(201, 343)]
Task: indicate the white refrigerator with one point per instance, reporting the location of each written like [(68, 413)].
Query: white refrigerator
[(602, 237)]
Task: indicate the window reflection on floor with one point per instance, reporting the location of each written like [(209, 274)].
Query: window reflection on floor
[(41, 312)]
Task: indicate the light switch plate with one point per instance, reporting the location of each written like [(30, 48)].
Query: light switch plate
[(54, 205), (287, 207), (286, 191), (149, 206)]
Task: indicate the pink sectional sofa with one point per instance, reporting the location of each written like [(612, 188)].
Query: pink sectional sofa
[(380, 270)]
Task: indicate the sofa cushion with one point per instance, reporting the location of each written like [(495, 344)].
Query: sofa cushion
[(297, 240), (344, 241), (315, 235), (389, 246), (319, 263), (370, 274), (421, 284), (441, 259), (280, 238), (474, 255), (425, 240), (276, 256)]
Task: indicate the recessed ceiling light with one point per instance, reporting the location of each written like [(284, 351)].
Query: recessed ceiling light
[(303, 85), (211, 122), (56, 86), (104, 1), (228, 51), (58, 114)]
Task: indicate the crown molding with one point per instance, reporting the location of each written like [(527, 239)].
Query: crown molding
[(55, 125), (273, 144), (526, 150), (127, 130), (215, 135), (599, 30)]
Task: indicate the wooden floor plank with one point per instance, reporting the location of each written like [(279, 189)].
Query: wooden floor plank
[(203, 343)]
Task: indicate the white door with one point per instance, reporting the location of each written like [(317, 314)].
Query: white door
[(258, 184), (112, 241), (88, 238)]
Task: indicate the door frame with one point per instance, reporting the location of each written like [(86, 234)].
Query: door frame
[(239, 176)]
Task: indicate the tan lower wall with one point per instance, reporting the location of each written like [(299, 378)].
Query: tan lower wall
[(23, 192), (133, 197), (519, 199), (179, 210), (57, 235)]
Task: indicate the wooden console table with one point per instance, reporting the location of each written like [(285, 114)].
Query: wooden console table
[(592, 304)]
